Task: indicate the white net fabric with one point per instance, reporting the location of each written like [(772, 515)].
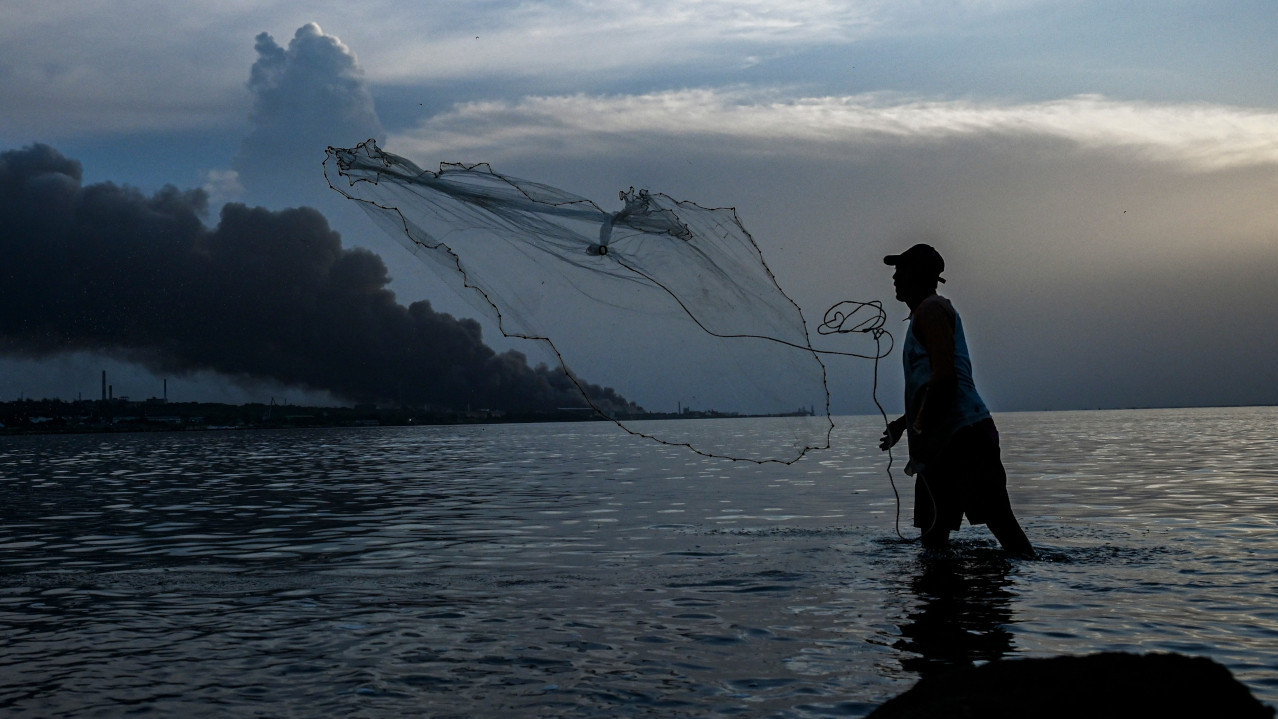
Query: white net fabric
[(669, 302)]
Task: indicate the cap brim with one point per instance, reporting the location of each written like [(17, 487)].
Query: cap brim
[(891, 259)]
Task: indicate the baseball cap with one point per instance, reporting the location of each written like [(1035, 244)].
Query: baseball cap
[(922, 258)]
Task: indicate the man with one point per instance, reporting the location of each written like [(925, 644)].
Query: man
[(954, 451)]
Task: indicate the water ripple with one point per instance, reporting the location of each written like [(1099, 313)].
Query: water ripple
[(568, 570)]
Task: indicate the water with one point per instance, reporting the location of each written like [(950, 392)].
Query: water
[(572, 570)]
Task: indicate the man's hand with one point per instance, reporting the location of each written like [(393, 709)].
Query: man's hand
[(892, 434)]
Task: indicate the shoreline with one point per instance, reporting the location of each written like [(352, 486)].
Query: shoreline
[(44, 417)]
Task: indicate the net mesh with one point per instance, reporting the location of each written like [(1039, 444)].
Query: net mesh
[(669, 302)]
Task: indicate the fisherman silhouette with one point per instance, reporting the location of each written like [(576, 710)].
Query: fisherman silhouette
[(954, 446)]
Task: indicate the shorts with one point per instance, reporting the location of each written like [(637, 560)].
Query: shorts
[(965, 478)]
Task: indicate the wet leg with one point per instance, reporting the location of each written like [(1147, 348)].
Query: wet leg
[(936, 538), (1008, 532)]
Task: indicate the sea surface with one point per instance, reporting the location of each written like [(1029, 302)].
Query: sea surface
[(573, 570)]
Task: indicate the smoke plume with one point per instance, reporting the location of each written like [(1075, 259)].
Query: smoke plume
[(264, 294)]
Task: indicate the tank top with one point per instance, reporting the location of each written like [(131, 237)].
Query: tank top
[(968, 407)]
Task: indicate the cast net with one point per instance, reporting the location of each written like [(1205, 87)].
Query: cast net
[(668, 302)]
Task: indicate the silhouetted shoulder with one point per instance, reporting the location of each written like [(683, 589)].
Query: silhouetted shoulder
[(935, 309), (934, 324)]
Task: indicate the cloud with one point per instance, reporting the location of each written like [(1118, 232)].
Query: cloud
[(74, 69), (268, 295), (306, 97), (103, 68), (222, 186), (1197, 136), (1130, 224), (618, 38)]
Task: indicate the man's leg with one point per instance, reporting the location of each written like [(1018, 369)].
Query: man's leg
[(1008, 532), (989, 488), (933, 510), (936, 538)]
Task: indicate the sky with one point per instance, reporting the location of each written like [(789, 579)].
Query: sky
[(1100, 177)]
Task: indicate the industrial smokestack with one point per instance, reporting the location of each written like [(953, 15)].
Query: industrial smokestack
[(104, 385), (166, 390)]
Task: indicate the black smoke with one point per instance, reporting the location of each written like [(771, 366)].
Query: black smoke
[(264, 294)]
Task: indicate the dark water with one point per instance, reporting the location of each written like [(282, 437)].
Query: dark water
[(572, 570)]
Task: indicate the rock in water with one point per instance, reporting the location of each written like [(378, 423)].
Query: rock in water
[(1099, 686)]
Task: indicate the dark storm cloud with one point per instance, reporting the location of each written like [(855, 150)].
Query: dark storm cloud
[(264, 294), (306, 97), (1085, 279)]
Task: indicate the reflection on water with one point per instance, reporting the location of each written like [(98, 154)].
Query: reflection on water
[(963, 614), (569, 570)]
